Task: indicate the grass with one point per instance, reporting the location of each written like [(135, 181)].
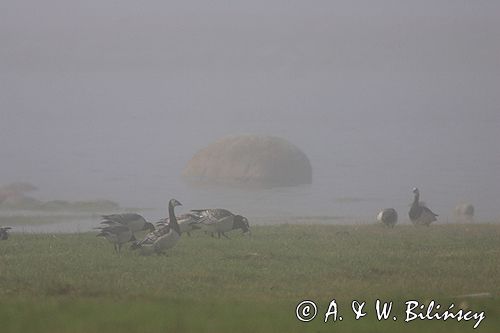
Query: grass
[(76, 283)]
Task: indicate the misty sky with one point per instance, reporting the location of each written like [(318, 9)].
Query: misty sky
[(97, 97)]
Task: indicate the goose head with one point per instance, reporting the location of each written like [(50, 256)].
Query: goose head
[(415, 191), (241, 222), (174, 203), (148, 226)]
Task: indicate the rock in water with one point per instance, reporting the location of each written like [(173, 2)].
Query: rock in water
[(249, 161)]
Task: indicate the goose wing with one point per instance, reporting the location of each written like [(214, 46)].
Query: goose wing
[(125, 218), (114, 229), (132, 220), (427, 210), (211, 216), (112, 218), (166, 241), (153, 236), (117, 234), (187, 222), (149, 239)]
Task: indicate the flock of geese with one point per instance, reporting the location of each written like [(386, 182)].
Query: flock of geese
[(119, 229), (419, 213)]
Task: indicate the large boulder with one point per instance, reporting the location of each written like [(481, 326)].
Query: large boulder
[(249, 161)]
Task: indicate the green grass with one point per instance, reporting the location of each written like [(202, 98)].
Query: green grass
[(76, 283)]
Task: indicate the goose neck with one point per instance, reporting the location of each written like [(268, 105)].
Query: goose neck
[(172, 218), (416, 198)]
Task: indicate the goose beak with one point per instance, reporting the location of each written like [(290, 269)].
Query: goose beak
[(176, 202)]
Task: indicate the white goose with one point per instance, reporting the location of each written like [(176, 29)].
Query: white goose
[(220, 221), (116, 234), (419, 213), (388, 217), (164, 238), (464, 213), (133, 221), (4, 234)]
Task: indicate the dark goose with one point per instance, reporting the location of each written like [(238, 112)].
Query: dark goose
[(420, 214)]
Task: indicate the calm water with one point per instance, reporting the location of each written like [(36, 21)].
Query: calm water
[(363, 159), (112, 103)]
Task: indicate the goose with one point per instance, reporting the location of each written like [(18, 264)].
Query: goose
[(464, 213), (419, 213), (187, 223), (4, 234), (388, 217), (133, 221), (116, 234), (220, 221), (164, 238)]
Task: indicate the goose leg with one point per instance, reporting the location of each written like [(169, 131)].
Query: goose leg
[(223, 234)]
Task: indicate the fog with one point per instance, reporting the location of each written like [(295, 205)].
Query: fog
[(110, 99)]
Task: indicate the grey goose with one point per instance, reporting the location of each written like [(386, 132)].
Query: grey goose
[(4, 233), (220, 221), (164, 238), (464, 213), (419, 213), (133, 221), (116, 234), (388, 217)]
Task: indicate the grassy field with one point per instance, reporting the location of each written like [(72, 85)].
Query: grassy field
[(76, 283)]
